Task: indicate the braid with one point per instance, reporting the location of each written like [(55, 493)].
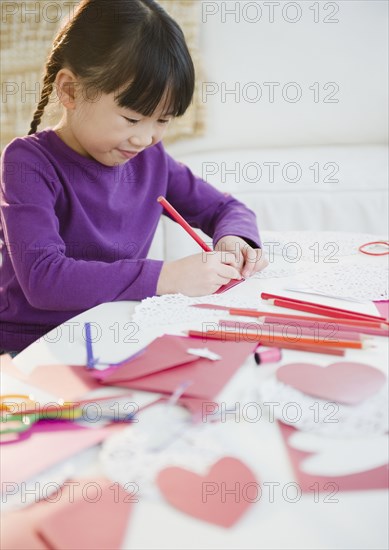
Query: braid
[(52, 69)]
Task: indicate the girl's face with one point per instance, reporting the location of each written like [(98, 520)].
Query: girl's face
[(110, 134)]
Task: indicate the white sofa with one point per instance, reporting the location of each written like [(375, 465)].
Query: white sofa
[(296, 106)]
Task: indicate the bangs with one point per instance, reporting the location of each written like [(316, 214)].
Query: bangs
[(162, 71)]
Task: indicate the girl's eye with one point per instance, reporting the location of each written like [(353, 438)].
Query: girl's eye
[(131, 120), (164, 121)]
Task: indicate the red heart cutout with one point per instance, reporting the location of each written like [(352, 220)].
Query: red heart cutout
[(220, 497), (348, 383)]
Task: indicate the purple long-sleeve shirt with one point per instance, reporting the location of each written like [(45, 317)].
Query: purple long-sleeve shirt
[(77, 232)]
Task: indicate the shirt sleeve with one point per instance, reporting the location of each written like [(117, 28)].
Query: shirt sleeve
[(204, 207), (49, 279)]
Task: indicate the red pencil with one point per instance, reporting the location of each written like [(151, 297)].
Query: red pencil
[(324, 310), (184, 224), (297, 347), (247, 312), (316, 310), (319, 324)]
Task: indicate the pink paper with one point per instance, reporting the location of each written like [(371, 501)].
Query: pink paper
[(17, 530), (220, 497), (349, 383), (50, 442), (383, 308), (28, 528), (83, 524), (377, 478), (68, 382), (199, 408), (207, 377), (8, 367)]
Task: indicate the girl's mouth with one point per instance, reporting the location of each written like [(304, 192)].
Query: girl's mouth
[(128, 154)]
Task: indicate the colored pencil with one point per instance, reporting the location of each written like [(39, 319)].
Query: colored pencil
[(313, 332), (246, 312), (251, 337), (184, 224), (297, 347), (310, 349), (316, 310), (325, 325), (320, 309)]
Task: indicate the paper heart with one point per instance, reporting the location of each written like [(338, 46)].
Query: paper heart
[(220, 497), (340, 457), (348, 383)]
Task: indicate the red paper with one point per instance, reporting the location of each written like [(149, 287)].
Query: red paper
[(220, 497), (229, 285), (349, 383), (377, 478), (207, 377), (163, 353)]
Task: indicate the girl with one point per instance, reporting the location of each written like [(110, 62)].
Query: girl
[(79, 201)]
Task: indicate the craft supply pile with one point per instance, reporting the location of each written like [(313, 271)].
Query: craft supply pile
[(167, 424)]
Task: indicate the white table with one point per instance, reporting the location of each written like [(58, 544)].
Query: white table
[(357, 521)]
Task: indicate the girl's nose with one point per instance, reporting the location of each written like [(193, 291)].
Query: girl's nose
[(142, 139)]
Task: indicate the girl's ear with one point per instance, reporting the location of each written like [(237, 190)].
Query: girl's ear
[(66, 86)]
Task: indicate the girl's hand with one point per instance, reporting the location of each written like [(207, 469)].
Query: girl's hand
[(198, 275), (248, 260)]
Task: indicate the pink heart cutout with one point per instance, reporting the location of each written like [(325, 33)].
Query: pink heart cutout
[(220, 497), (348, 383)]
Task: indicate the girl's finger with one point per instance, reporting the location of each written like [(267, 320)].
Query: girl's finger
[(255, 261), (251, 257)]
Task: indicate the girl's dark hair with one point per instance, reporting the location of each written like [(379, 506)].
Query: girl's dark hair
[(129, 45)]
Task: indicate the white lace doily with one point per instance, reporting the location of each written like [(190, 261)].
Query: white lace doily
[(171, 309), (315, 246), (126, 457), (322, 417), (360, 282), (280, 266)]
